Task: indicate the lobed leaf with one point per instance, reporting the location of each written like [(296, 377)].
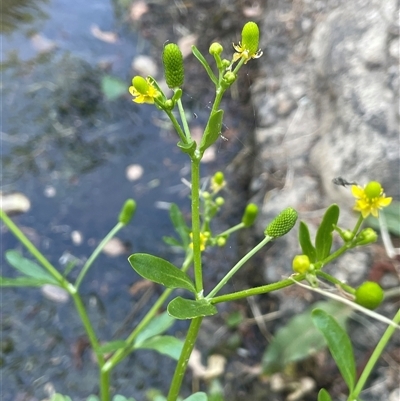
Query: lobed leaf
[(160, 271), (181, 308), (339, 345), (324, 237)]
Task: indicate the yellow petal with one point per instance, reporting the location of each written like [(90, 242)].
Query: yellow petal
[(357, 191)]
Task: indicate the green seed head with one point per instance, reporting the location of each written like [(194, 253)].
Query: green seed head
[(250, 214), (282, 223), (127, 212), (373, 189), (369, 294), (140, 84), (173, 65), (250, 37)]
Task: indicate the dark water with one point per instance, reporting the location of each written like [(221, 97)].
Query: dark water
[(61, 136)]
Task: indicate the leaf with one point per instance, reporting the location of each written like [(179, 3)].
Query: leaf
[(157, 325), (179, 224), (171, 241), (323, 239), (323, 395), (118, 397), (305, 242), (29, 268), (204, 63), (113, 87), (212, 130), (92, 398), (299, 338), (339, 345), (21, 282), (166, 345), (188, 148), (160, 271), (60, 397), (200, 396), (181, 308), (111, 346)]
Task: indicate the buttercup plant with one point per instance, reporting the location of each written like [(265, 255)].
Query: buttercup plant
[(194, 239)]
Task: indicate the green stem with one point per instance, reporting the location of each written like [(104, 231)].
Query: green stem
[(96, 253), (183, 119), (32, 249), (374, 358), (122, 353), (358, 225), (198, 274), (258, 290), (105, 386), (335, 281), (184, 358), (231, 230), (177, 127), (238, 266)]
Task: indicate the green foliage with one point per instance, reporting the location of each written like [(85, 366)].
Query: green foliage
[(166, 345), (323, 395), (197, 397), (112, 87), (158, 325), (181, 308), (111, 346), (180, 225), (203, 62), (60, 397), (324, 237), (299, 338), (160, 271), (305, 242), (339, 345), (212, 131), (35, 275)]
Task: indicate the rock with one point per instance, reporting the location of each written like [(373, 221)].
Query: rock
[(14, 203), (55, 293), (145, 65)]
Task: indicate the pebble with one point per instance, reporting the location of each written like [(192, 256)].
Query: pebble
[(55, 293), (76, 237), (14, 203), (134, 172), (144, 65), (115, 247)]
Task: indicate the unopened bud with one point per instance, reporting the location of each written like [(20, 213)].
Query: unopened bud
[(301, 263), (127, 211), (215, 49), (250, 214), (366, 236)]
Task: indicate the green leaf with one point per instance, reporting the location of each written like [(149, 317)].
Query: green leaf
[(324, 237), (212, 131), (21, 282), (392, 217), (179, 224), (111, 346), (181, 308), (92, 398), (157, 325), (160, 271), (204, 63), (171, 241), (200, 396), (305, 242), (60, 397), (323, 395), (188, 148), (299, 338), (29, 268), (118, 397), (339, 345), (113, 87), (166, 345)]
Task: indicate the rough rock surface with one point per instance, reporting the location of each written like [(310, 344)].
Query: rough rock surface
[(327, 106)]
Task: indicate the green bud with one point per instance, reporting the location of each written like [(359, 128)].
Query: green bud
[(366, 236), (226, 63), (127, 211), (173, 65), (369, 294), (250, 37), (282, 223), (206, 195), (230, 77), (221, 241), (301, 263), (169, 104), (140, 84), (347, 235), (219, 201), (250, 214), (215, 49)]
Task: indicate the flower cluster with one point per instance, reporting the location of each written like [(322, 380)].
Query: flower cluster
[(248, 47)]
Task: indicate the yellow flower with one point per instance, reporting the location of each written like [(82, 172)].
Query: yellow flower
[(203, 240), (369, 199), (248, 47), (143, 91)]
